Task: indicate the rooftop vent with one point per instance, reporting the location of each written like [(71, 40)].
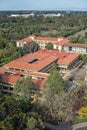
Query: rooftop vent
[(34, 60)]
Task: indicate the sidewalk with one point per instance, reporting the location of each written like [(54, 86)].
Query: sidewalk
[(80, 125), (66, 126), (61, 126)]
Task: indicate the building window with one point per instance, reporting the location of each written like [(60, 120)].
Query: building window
[(70, 48)]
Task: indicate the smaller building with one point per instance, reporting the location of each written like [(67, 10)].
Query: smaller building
[(22, 42), (42, 41), (74, 47), (60, 43), (8, 79)]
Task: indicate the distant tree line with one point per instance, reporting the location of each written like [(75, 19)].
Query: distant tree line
[(14, 28)]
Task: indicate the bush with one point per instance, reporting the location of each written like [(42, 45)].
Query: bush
[(76, 121), (82, 112)]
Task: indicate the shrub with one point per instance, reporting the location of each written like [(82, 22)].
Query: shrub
[(82, 112)]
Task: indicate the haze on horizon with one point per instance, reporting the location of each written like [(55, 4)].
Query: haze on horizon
[(80, 5)]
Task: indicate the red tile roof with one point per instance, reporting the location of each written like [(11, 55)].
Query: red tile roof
[(56, 53), (28, 39), (39, 83), (13, 78), (46, 39), (10, 78), (45, 57), (62, 42), (23, 62), (2, 70), (68, 59), (34, 74)]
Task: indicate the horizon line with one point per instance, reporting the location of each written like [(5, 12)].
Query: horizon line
[(44, 10)]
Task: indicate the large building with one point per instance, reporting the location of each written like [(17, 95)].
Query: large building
[(42, 41), (36, 65), (61, 44)]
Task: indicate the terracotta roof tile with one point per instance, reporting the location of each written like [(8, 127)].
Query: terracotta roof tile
[(45, 58), (36, 66), (39, 83), (9, 78), (28, 39), (12, 79), (46, 39), (62, 42), (68, 59), (2, 70)]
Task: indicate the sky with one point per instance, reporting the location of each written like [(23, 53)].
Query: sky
[(43, 5)]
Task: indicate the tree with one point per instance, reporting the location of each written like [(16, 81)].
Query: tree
[(15, 122), (49, 46), (34, 122), (11, 106), (59, 106), (55, 81), (19, 115), (57, 100), (83, 57), (30, 47), (54, 86), (23, 89)]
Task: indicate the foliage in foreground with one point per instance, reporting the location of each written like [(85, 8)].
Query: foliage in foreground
[(79, 120), (82, 112), (19, 115), (23, 89)]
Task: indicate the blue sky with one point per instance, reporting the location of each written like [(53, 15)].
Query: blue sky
[(43, 4)]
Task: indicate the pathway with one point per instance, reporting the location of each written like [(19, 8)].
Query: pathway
[(80, 125), (66, 126)]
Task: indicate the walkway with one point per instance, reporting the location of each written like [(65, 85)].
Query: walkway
[(67, 126), (61, 126), (80, 125)]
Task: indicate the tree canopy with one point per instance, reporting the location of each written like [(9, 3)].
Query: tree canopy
[(19, 115), (30, 47), (55, 81), (23, 89), (49, 46), (15, 28)]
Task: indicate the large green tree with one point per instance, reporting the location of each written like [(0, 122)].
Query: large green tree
[(23, 89), (55, 81), (19, 115), (34, 122), (49, 46), (15, 122), (30, 47), (56, 99)]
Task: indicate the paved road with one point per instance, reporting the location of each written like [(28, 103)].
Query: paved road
[(80, 126), (67, 126), (61, 126), (84, 128)]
